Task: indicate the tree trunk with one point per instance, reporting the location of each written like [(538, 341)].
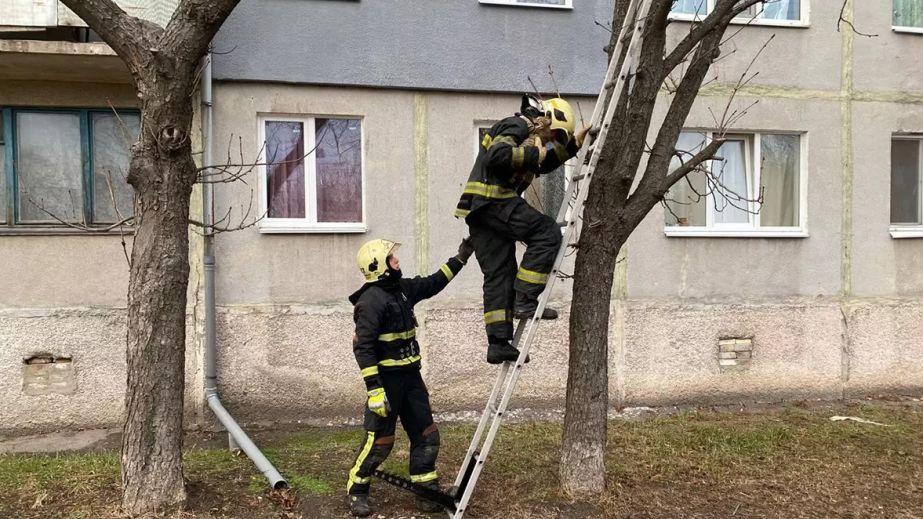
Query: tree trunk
[(162, 173), (583, 469)]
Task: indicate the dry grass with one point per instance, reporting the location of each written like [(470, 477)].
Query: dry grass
[(788, 462)]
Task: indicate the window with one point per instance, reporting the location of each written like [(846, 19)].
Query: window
[(771, 12), (546, 193), (727, 201), (557, 4), (312, 178), (68, 165), (907, 15), (906, 202)]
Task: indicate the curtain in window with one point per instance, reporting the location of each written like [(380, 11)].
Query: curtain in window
[(339, 170), (782, 10), (781, 158), (686, 198), (907, 13), (689, 6), (285, 169), (732, 175), (905, 181), (112, 140), (48, 167)]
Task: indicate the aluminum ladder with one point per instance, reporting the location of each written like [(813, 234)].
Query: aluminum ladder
[(568, 215)]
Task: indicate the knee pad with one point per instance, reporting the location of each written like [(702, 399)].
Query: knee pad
[(380, 452), (425, 453)]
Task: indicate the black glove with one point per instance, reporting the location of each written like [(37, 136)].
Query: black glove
[(465, 250)]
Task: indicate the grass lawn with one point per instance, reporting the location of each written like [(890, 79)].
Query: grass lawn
[(790, 462)]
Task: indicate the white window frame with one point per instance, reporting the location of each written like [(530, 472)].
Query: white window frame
[(898, 231), (568, 4), (309, 223), (903, 28), (753, 229), (804, 21)]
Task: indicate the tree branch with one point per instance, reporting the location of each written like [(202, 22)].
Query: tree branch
[(128, 36), (193, 25), (704, 154), (724, 12)]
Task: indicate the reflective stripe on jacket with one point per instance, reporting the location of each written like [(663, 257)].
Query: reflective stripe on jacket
[(385, 335)]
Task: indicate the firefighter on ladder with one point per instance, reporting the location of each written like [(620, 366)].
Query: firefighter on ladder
[(515, 150), (388, 354)]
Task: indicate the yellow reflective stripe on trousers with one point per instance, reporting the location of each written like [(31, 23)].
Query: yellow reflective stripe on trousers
[(530, 276), (423, 478), (489, 190), (461, 213), (368, 372), (496, 316), (402, 362), (447, 271), (388, 337), (364, 453)]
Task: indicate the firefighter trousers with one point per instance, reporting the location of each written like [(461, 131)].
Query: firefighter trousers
[(494, 229), (409, 401)]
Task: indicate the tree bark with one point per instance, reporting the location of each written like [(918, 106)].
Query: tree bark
[(162, 173)]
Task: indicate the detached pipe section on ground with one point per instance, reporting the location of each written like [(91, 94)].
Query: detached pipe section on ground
[(235, 433)]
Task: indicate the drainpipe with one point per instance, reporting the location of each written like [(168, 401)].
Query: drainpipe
[(236, 435)]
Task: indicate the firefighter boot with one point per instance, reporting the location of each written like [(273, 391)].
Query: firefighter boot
[(359, 505), (525, 308), (425, 505), (500, 350)]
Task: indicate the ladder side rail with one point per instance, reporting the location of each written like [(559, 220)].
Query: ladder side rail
[(599, 110), (532, 324), (482, 423)]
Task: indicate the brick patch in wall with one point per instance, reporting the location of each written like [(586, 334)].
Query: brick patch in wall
[(734, 354), (46, 374)]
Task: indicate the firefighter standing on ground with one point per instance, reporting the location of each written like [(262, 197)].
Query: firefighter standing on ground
[(515, 150), (389, 357)]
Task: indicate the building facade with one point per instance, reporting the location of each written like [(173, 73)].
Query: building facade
[(371, 112)]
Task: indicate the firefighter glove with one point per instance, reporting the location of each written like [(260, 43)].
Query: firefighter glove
[(378, 402), (581, 135), (465, 249)]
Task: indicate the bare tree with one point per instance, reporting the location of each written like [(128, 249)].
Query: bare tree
[(621, 194), (163, 65)]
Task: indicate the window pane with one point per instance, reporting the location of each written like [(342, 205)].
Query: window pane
[(905, 181), (779, 176), (48, 166), (782, 10), (339, 170), (285, 169), (689, 7), (731, 194), (907, 13), (112, 140), (686, 198)]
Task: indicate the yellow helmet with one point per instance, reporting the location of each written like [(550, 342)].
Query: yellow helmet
[(561, 115), (373, 258)]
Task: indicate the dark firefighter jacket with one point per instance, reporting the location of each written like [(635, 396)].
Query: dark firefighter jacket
[(385, 324), (504, 168)]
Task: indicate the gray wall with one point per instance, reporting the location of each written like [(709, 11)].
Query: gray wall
[(419, 44)]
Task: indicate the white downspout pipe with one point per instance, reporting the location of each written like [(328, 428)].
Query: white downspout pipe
[(236, 435)]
